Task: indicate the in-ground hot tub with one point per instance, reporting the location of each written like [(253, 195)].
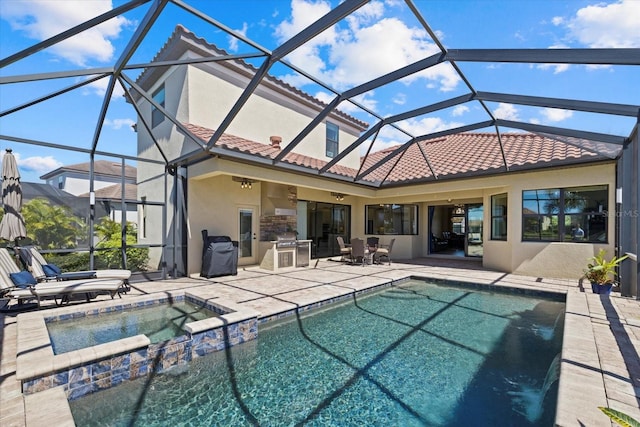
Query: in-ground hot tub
[(159, 322), (89, 369)]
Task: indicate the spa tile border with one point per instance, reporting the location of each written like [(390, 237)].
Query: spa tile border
[(105, 365)]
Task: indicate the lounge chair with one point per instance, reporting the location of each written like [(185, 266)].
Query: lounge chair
[(60, 291), (345, 250), (43, 271), (384, 251)]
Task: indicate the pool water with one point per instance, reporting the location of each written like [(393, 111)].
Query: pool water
[(413, 355), (159, 322)]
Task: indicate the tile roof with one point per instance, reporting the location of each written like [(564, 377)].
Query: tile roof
[(452, 156), (472, 154), (115, 192), (242, 145), (100, 167)]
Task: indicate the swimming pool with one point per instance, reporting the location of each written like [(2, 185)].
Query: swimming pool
[(414, 354), (159, 322)]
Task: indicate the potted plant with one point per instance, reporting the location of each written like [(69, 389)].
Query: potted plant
[(601, 272)]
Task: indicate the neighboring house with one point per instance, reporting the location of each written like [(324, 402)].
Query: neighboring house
[(74, 179), (110, 200), (511, 200)]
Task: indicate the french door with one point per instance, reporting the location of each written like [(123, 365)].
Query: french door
[(247, 234)]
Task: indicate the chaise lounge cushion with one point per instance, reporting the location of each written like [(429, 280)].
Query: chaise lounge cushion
[(51, 270), (23, 279)]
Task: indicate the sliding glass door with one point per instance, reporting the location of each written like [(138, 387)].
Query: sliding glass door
[(324, 223), (475, 235)]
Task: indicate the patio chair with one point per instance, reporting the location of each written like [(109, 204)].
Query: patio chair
[(345, 250), (357, 251), (20, 285), (33, 261), (384, 251), (372, 242)]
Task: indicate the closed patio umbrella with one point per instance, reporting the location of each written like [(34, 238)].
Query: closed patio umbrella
[(12, 226)]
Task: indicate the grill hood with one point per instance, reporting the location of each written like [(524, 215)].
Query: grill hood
[(279, 200)]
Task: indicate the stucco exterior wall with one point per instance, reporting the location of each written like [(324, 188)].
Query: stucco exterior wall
[(172, 142), (535, 258), (213, 204), (266, 113), (214, 198)]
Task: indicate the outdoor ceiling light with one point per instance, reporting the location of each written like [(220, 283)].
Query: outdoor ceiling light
[(244, 182), (339, 196)]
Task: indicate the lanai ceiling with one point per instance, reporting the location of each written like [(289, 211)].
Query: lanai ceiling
[(413, 141)]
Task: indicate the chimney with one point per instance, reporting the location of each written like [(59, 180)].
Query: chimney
[(275, 141)]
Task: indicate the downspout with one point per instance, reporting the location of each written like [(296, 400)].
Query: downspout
[(163, 247), (92, 212), (123, 217), (174, 196)]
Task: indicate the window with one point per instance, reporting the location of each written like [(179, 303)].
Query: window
[(156, 115), (332, 140), (61, 182), (499, 217), (391, 219), (577, 214)]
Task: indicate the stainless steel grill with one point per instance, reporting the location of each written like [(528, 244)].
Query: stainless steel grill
[(286, 240)]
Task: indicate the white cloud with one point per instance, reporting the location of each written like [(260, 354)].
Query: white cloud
[(324, 97), (390, 136), (399, 98), (601, 25), (38, 164), (426, 125), (99, 87), (118, 124), (42, 19), (506, 112), (346, 106), (366, 100), (459, 110), (555, 114), (369, 46), (233, 41), (557, 68)]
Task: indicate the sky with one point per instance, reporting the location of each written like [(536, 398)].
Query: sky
[(377, 39)]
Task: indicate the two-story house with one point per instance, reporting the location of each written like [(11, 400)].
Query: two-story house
[(108, 176), (511, 202)]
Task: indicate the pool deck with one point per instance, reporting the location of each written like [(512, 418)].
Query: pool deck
[(600, 357)]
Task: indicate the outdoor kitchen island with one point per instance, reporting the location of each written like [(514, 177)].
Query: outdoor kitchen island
[(286, 251)]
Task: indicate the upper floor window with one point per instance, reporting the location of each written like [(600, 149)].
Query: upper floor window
[(332, 140), (577, 214), (391, 219), (499, 217), (156, 115)]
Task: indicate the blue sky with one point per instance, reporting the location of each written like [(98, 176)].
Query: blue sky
[(380, 37)]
